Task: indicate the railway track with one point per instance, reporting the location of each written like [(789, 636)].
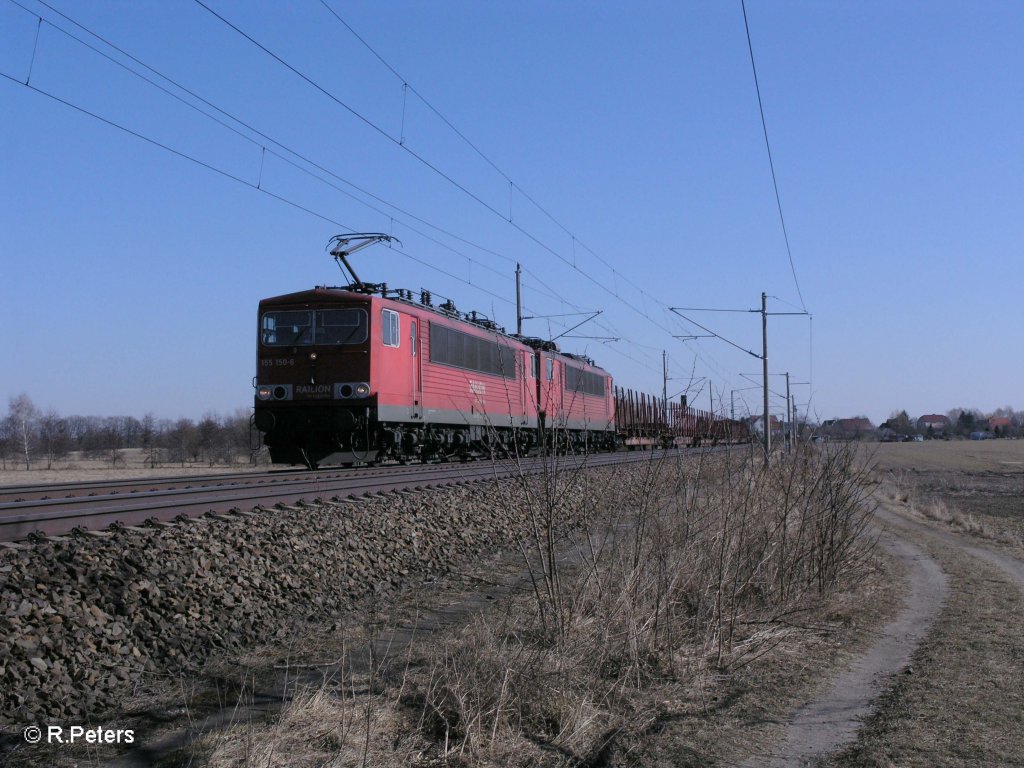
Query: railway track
[(34, 510), (48, 491)]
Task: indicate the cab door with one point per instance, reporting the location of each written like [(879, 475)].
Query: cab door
[(397, 368)]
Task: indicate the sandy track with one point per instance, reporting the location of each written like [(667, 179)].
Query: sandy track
[(823, 725)]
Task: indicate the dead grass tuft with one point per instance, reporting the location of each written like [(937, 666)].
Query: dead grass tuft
[(323, 727), (947, 513)]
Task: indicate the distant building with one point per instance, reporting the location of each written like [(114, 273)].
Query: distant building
[(757, 424), (936, 422), (1000, 425)]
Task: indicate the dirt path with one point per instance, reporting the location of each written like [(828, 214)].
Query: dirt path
[(827, 723), (962, 705), (833, 720), (1010, 565)]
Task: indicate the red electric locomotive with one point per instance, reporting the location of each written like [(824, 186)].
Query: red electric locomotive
[(363, 373)]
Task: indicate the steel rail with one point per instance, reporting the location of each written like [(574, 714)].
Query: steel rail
[(44, 491), (84, 487), (24, 519)]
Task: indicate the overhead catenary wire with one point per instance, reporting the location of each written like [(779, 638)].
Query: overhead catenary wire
[(258, 186), (718, 335), (382, 132), (263, 190), (264, 149), (376, 128), (771, 162), (513, 185), (406, 86), (209, 167), (244, 124)]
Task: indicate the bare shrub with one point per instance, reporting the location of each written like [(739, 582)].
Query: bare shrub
[(682, 569), (650, 581)]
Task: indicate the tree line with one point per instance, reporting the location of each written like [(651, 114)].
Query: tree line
[(31, 437), (963, 422)]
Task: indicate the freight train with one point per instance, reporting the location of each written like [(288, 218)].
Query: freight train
[(363, 373)]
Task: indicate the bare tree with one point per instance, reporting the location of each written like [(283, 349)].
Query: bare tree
[(150, 435), (22, 416), (6, 442), (53, 432), (237, 437), (183, 441)]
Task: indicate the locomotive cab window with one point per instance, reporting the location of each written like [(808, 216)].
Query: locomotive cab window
[(288, 328), (303, 327), (551, 368), (340, 326), (390, 328)]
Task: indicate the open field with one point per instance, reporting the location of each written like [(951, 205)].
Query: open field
[(130, 464), (973, 486), (951, 455)]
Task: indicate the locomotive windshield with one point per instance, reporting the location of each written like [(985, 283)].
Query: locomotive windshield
[(303, 327)]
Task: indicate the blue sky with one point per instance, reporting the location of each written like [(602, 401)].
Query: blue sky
[(131, 275)]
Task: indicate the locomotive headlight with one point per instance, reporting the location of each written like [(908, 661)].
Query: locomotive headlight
[(312, 356), (362, 390), (264, 393)]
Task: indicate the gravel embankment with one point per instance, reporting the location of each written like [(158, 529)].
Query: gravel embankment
[(84, 618)]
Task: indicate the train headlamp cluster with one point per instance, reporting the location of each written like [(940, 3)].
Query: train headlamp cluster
[(274, 392), (350, 390), (347, 391)]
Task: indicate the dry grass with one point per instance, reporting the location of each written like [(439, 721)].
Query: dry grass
[(76, 468), (320, 727), (694, 604), (677, 627)]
